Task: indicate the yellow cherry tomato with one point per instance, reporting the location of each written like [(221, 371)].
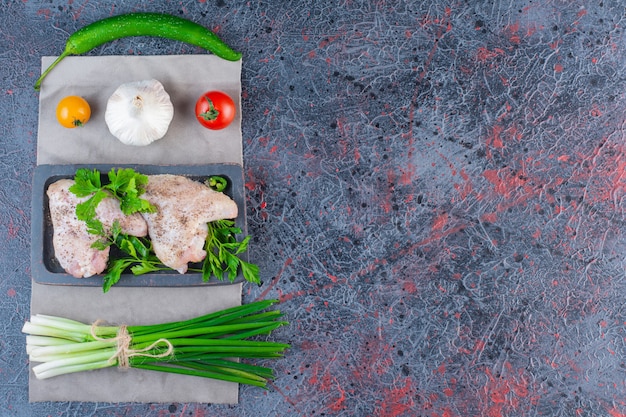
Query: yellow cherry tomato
[(73, 111)]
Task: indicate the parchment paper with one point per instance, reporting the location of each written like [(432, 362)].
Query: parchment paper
[(187, 143), (184, 77)]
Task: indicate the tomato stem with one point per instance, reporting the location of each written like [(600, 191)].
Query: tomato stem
[(212, 113)]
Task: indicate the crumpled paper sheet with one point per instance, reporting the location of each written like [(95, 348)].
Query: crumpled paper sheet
[(184, 77)]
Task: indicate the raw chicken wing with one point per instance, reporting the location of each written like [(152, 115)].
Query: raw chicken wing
[(178, 228), (70, 239)]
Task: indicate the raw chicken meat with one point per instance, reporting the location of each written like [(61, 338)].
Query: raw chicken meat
[(109, 210), (70, 239), (178, 228)]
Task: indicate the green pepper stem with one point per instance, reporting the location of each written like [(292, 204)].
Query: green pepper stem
[(43, 74)]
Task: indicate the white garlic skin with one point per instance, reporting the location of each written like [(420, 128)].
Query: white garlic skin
[(139, 113)]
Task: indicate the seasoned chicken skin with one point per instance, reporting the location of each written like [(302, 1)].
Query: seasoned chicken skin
[(109, 210), (70, 239), (178, 228)]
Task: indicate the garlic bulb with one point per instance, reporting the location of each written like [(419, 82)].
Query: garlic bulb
[(138, 113)]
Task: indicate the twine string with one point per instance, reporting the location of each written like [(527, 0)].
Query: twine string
[(123, 353)]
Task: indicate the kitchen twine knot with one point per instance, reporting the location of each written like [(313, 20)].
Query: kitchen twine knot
[(124, 352)]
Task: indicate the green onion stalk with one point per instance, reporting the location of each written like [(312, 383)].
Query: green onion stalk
[(210, 346)]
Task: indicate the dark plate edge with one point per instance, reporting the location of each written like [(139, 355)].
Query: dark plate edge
[(41, 275)]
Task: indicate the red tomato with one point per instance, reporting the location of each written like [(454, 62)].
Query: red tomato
[(215, 110)]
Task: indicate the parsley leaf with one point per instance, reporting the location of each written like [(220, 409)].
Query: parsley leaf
[(86, 182), (138, 256), (125, 185), (222, 249)]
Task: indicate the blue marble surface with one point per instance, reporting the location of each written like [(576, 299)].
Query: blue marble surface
[(436, 192)]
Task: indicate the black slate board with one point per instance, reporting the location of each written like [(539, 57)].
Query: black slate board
[(47, 270)]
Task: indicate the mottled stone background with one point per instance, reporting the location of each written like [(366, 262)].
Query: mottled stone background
[(436, 192)]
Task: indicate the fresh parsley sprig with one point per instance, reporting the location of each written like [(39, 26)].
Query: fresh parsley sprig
[(125, 184), (222, 249), (139, 257), (222, 246)]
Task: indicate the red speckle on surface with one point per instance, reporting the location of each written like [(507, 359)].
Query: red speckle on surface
[(339, 403), (410, 287), (288, 262), (555, 44), (489, 217), (78, 11), (407, 175), (434, 237), (11, 292), (502, 393), (499, 136), (264, 140), (595, 111), (250, 185), (485, 55), (513, 33), (441, 369), (396, 401), (465, 188), (386, 205), (514, 186), (479, 346), (12, 229), (286, 297), (440, 221), (327, 40), (322, 380), (357, 155), (493, 176), (44, 12), (447, 412)]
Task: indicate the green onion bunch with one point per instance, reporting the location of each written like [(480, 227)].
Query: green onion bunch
[(210, 346)]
